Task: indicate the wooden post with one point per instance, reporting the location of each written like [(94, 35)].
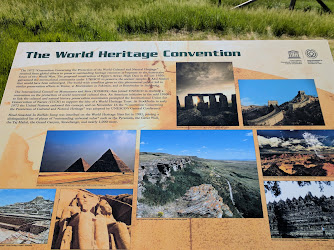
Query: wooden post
[(292, 4), (219, 2), (244, 4), (324, 6)]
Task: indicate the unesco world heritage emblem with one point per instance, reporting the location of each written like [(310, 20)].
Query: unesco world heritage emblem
[(311, 53), (293, 54)]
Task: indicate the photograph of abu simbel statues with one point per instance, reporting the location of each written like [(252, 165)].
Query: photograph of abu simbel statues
[(93, 219)]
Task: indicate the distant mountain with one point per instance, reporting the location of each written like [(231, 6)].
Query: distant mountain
[(109, 162), (79, 166)]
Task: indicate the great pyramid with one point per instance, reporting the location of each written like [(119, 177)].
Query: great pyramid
[(79, 166), (109, 162)]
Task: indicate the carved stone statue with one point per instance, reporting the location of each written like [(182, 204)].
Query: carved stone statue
[(86, 224), (107, 226)]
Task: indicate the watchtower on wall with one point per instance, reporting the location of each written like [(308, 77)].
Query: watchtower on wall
[(301, 93), (272, 103)]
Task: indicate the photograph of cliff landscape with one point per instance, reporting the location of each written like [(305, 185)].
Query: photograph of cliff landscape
[(25, 215), (88, 157), (198, 174), (206, 94), (280, 102), (300, 209), (296, 152)]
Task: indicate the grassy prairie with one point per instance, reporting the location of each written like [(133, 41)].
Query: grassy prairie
[(104, 20), (241, 175)]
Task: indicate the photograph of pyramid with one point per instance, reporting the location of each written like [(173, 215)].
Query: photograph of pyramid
[(77, 157)]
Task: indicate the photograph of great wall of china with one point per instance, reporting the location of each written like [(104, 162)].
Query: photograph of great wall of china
[(198, 174), (300, 209), (296, 152), (280, 102), (88, 157), (206, 94), (25, 215), (93, 219)]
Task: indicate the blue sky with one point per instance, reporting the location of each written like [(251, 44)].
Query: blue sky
[(11, 196), (291, 189), (259, 92), (207, 144), (110, 191), (63, 148)]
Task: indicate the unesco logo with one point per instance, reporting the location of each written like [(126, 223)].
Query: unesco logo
[(311, 53), (293, 54)]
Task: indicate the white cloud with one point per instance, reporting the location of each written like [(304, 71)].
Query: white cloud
[(313, 140), (249, 133), (246, 101), (160, 149), (272, 142), (143, 143), (297, 148), (124, 137)]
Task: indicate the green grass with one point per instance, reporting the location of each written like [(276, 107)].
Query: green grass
[(105, 20), (155, 194), (304, 5)]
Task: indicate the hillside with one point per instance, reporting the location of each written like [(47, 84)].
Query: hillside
[(301, 110), (166, 183), (103, 20)]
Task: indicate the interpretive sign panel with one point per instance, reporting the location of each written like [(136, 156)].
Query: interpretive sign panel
[(168, 145)]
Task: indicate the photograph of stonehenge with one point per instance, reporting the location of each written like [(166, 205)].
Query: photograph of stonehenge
[(280, 102), (206, 94)]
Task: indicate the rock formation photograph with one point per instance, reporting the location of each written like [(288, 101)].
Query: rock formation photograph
[(280, 102), (296, 152), (88, 156), (198, 174), (25, 215), (300, 209), (206, 94), (93, 219)]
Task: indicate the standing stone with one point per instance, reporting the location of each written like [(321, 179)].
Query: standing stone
[(188, 100), (234, 103), (201, 105), (201, 99), (212, 100), (223, 101)]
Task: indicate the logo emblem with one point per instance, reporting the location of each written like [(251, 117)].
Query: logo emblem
[(293, 54), (311, 53)]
